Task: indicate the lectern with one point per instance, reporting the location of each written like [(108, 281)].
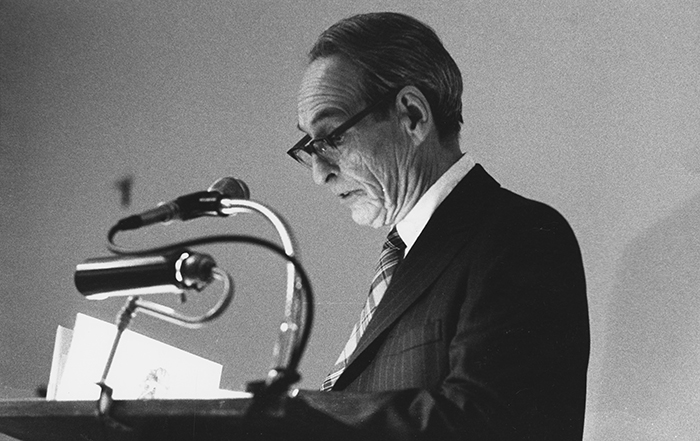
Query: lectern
[(169, 420)]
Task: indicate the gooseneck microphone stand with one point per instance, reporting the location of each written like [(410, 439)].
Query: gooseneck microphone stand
[(193, 271)]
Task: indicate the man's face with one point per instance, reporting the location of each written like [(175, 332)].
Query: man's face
[(369, 173)]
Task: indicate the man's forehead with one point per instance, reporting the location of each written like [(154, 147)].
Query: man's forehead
[(328, 89)]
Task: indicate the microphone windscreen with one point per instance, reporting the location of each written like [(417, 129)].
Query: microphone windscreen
[(231, 188)]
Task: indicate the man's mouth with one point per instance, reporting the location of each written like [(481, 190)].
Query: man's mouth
[(348, 194)]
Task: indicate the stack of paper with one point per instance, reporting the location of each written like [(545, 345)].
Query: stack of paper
[(142, 367)]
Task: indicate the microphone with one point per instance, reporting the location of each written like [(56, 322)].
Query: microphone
[(190, 206), (103, 277)]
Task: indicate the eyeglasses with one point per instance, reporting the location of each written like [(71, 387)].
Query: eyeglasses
[(326, 147)]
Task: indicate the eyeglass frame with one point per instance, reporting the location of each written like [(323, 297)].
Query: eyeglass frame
[(308, 144)]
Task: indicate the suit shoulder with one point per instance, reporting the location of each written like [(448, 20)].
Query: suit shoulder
[(511, 218)]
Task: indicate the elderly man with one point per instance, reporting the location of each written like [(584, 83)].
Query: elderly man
[(476, 326)]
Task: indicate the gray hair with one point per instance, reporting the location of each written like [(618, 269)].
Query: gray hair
[(394, 50)]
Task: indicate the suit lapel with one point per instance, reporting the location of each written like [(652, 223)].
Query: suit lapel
[(449, 229)]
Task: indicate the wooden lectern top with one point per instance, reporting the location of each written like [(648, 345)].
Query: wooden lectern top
[(173, 420)]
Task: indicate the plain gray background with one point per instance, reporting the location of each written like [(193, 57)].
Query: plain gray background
[(590, 106)]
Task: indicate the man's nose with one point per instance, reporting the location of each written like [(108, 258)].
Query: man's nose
[(322, 170)]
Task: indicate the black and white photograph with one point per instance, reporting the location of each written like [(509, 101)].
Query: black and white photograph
[(371, 220)]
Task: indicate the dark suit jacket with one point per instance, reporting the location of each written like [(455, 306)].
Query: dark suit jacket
[(482, 334)]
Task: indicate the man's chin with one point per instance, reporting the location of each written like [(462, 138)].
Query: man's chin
[(369, 218)]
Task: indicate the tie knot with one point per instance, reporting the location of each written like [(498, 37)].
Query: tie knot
[(393, 241)]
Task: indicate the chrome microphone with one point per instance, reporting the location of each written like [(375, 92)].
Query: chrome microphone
[(190, 206)]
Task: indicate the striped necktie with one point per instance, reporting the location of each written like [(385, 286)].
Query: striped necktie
[(391, 256)]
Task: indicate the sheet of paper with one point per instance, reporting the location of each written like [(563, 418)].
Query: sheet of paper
[(142, 368), (58, 362)]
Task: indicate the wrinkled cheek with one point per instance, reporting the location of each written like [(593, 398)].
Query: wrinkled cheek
[(388, 198), (389, 201)]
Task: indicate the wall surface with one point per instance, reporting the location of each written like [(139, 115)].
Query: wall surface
[(590, 106)]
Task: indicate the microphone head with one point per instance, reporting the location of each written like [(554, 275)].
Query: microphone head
[(231, 188)]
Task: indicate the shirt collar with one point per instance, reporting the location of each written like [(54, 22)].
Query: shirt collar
[(412, 225)]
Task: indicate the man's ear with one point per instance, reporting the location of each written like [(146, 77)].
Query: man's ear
[(414, 113)]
